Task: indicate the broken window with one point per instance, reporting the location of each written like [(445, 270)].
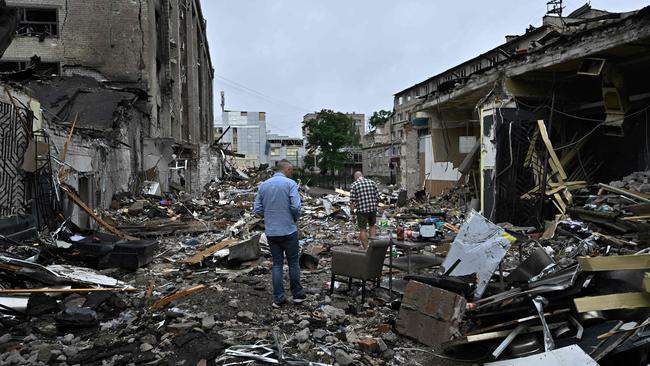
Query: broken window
[(38, 22), (275, 151)]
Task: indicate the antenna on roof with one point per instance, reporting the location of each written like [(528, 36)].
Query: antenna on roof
[(554, 7)]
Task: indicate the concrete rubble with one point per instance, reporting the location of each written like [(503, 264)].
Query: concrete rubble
[(193, 297)]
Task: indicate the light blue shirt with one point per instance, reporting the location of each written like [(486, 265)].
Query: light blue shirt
[(278, 201)]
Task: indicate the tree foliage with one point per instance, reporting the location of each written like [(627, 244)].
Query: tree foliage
[(379, 118), (327, 137)]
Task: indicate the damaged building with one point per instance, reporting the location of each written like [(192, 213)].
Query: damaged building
[(581, 75), (121, 92)]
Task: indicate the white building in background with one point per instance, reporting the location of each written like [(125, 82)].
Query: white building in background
[(246, 136), (245, 133), (285, 147)]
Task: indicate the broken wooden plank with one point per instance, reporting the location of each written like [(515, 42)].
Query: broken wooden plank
[(616, 240), (628, 300), (510, 323), (200, 256), (624, 192), (614, 262), (90, 213), (636, 218), (496, 335), (638, 209), (176, 296), (64, 290), (451, 227), (342, 192), (551, 151)]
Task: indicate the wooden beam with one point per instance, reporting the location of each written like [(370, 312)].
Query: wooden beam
[(614, 262), (496, 335), (176, 296), (65, 147), (636, 218), (451, 227), (551, 152), (64, 290), (624, 192), (90, 213), (200, 256), (342, 192), (629, 300)]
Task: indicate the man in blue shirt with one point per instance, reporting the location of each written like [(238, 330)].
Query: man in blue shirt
[(278, 201)]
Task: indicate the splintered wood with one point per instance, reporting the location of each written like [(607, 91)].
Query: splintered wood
[(614, 262), (176, 296), (200, 256), (558, 188), (77, 201), (630, 300)]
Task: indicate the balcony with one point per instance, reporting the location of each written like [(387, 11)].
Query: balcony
[(420, 123)]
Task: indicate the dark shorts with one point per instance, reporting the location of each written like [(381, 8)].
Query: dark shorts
[(365, 219)]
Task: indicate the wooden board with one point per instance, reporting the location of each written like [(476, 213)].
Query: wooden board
[(77, 201), (496, 335), (614, 262), (624, 192), (551, 152), (200, 256), (64, 290), (342, 192), (636, 218), (177, 295), (628, 300)]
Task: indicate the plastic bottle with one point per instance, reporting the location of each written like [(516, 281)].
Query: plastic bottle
[(383, 224)]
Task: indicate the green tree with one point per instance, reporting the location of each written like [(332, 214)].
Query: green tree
[(379, 118), (327, 137)]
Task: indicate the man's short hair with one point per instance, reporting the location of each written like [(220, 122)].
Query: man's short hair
[(358, 175), (283, 164)]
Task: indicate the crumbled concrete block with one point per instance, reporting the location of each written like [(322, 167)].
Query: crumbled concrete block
[(429, 314)]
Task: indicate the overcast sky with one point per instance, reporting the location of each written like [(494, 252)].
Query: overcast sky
[(291, 57)]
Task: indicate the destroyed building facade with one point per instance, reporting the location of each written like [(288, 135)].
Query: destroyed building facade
[(581, 75), (124, 88)]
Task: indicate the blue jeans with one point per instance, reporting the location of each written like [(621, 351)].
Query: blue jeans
[(281, 246)]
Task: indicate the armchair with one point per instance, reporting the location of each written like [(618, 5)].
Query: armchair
[(358, 264)]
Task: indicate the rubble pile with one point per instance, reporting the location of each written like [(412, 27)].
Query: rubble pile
[(173, 279)]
